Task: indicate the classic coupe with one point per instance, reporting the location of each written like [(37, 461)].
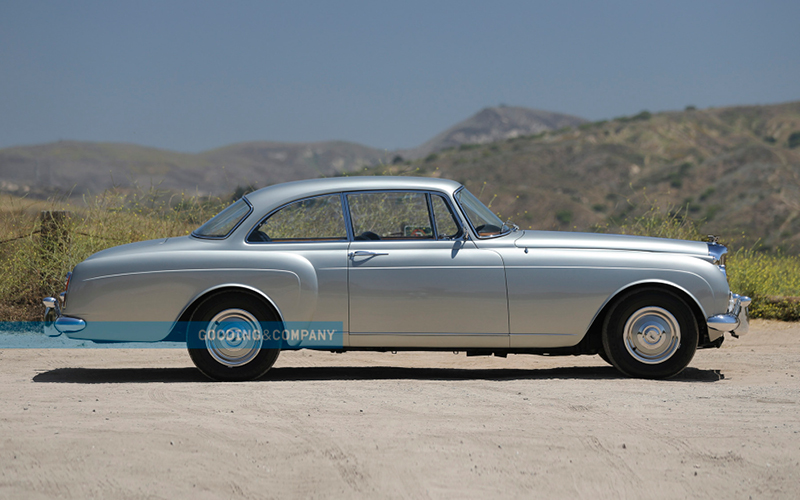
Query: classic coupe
[(400, 263)]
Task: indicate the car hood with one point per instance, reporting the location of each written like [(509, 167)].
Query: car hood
[(562, 239)]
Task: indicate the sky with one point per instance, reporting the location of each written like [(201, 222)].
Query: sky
[(195, 75)]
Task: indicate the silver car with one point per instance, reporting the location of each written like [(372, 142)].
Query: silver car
[(400, 263)]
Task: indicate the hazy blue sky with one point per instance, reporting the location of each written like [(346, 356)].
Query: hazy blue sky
[(194, 75)]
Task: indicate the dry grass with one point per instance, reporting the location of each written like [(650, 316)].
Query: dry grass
[(32, 267)]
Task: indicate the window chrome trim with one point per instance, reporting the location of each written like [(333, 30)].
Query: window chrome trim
[(273, 212), (464, 212), (234, 228), (348, 221), (453, 214), (431, 215)]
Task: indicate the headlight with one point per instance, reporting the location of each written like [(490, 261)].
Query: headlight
[(718, 254)]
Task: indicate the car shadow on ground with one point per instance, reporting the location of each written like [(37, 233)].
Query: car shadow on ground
[(334, 373)]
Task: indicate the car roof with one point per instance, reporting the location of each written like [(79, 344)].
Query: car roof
[(280, 194)]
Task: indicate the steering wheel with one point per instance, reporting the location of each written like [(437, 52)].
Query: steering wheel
[(257, 236), (487, 229), (367, 235)]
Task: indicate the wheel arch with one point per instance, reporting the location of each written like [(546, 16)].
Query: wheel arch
[(178, 331), (592, 340)]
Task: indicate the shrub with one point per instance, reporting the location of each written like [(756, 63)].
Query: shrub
[(564, 216), (32, 267), (794, 139), (772, 280)]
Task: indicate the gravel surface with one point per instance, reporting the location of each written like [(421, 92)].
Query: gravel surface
[(143, 423)]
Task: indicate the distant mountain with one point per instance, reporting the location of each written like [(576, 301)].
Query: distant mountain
[(273, 162), (495, 124), (733, 170), (83, 167)]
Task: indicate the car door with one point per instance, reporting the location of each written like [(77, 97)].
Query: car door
[(414, 281)]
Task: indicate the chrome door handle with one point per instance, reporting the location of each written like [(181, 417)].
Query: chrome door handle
[(364, 253)]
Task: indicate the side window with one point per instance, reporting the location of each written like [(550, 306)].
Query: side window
[(312, 219), (390, 216), (446, 226)]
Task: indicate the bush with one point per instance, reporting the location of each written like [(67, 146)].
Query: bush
[(564, 216), (672, 224), (32, 267), (772, 280), (644, 115), (794, 139)]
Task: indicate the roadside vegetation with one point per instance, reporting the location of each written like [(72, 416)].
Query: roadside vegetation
[(35, 256), (770, 278)]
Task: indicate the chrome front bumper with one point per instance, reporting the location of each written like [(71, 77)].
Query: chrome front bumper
[(55, 323), (736, 320)]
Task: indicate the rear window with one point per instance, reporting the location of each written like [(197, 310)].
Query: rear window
[(222, 224)]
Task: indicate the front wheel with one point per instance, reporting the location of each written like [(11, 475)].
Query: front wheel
[(650, 333), (226, 338)]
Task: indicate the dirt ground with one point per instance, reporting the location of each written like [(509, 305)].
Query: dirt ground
[(143, 423)]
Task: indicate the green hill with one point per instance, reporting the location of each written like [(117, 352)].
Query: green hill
[(733, 170)]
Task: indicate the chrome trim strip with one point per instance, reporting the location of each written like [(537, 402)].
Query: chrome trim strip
[(648, 282), (221, 269), (258, 292), (545, 334), (439, 334)]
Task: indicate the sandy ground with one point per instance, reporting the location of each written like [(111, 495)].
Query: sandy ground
[(143, 423)]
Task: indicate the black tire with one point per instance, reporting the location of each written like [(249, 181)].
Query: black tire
[(236, 360), (650, 333), (604, 356)]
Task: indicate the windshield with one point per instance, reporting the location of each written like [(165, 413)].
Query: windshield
[(221, 225), (482, 219)]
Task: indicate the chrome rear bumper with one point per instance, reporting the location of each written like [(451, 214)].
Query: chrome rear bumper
[(55, 323), (736, 320)]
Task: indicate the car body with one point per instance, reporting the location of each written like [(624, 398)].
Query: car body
[(402, 263)]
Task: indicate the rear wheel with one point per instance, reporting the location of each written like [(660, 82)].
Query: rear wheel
[(226, 338), (603, 356), (650, 333)]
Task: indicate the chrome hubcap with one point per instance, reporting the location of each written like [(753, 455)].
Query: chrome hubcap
[(234, 337), (652, 335)]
